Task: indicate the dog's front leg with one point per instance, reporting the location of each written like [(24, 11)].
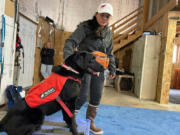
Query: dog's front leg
[(71, 122)]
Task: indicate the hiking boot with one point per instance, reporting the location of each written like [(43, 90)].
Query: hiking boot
[(91, 114)]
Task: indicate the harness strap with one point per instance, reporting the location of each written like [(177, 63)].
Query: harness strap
[(66, 109), (77, 80), (69, 68)]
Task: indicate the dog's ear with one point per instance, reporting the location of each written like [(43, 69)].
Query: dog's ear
[(76, 59)]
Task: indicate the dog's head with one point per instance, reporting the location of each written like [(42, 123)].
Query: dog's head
[(84, 62)]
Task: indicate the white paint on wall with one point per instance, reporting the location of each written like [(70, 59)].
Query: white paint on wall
[(2, 5), (27, 7), (8, 57), (68, 14)]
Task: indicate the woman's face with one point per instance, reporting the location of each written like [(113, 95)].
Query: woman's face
[(103, 18), (48, 45)]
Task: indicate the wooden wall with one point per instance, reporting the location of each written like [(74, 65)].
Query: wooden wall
[(124, 55), (60, 38)]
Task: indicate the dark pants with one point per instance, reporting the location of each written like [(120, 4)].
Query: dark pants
[(95, 85)]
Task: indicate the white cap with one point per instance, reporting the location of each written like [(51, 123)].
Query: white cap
[(105, 8)]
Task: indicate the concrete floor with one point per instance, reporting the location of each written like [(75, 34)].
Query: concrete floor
[(112, 97)]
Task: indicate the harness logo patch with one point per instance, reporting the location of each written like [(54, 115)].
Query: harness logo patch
[(48, 92)]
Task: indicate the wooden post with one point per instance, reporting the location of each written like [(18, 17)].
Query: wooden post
[(146, 10), (164, 77)]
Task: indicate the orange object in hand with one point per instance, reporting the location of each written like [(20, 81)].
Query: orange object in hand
[(101, 58)]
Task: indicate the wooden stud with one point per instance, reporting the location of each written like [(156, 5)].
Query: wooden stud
[(166, 64)]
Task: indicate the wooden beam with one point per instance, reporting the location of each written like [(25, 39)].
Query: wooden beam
[(128, 20), (165, 9), (177, 41), (127, 16), (146, 10), (28, 18), (128, 26), (164, 76)]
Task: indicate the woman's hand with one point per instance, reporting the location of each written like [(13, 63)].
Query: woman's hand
[(76, 49), (111, 76)]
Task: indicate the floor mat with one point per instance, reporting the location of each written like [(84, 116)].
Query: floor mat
[(118, 120), (174, 96)]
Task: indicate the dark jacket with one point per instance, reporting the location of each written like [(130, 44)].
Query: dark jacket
[(47, 56), (87, 38)]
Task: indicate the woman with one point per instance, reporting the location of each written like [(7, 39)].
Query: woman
[(93, 35), (47, 62)]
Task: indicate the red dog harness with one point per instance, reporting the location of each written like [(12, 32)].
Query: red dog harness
[(47, 91)]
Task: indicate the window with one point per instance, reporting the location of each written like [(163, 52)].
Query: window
[(174, 59)]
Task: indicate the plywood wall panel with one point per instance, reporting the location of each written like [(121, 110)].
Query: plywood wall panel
[(164, 83), (161, 68), (60, 37), (9, 8)]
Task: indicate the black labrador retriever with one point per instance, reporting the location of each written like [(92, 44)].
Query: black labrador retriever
[(27, 115)]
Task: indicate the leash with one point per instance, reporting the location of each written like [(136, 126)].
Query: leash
[(69, 68), (66, 109)]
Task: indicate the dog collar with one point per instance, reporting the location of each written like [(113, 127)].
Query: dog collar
[(69, 68)]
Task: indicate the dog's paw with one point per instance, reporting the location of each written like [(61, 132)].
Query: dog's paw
[(81, 133)]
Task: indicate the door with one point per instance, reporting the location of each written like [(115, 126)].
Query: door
[(176, 84), (27, 34)]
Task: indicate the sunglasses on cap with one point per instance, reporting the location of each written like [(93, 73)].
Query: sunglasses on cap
[(105, 15)]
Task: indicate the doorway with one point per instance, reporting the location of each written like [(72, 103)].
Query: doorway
[(27, 33), (174, 93)]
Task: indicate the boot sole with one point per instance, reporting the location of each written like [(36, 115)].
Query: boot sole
[(96, 133)]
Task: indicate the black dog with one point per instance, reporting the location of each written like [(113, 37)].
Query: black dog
[(24, 118)]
